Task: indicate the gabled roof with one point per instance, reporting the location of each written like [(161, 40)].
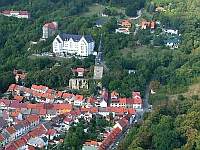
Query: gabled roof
[(51, 132), (59, 94), (26, 137), (123, 122), (5, 135), (10, 130), (12, 87), (40, 130), (18, 126), (76, 38), (32, 118), (51, 25), (67, 95), (4, 102), (62, 106), (18, 98), (19, 143), (11, 146), (79, 98), (1, 138)]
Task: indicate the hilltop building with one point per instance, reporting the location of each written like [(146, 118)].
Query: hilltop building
[(17, 14), (80, 45), (49, 29)]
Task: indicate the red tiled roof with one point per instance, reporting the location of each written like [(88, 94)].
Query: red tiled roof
[(136, 94), (131, 111), (62, 106), (23, 13), (18, 98), (49, 91), (67, 119), (114, 94), (26, 137), (38, 131), (123, 122), (84, 110), (11, 146), (79, 97), (110, 138), (137, 100), (1, 138), (19, 143), (59, 94), (6, 12), (42, 111), (11, 130), (51, 132), (32, 118), (93, 110), (39, 87), (91, 100), (31, 147), (4, 102), (31, 106), (12, 87), (67, 95), (51, 25)]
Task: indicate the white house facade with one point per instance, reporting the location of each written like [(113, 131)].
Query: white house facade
[(80, 45), (49, 29)]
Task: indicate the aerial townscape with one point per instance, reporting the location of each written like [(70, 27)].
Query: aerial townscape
[(99, 75)]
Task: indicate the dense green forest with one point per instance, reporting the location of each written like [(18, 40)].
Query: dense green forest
[(174, 121)]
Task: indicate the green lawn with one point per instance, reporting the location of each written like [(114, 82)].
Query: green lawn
[(95, 9)]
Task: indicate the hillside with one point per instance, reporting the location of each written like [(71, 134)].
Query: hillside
[(173, 123)]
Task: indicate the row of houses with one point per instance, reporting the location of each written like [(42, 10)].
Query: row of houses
[(36, 138), (110, 137), (14, 109), (17, 14), (43, 94), (15, 131)]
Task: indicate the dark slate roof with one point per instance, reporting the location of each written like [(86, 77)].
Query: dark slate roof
[(35, 111), (5, 135), (47, 125), (3, 123), (45, 139), (75, 38), (101, 21), (174, 40), (18, 126)]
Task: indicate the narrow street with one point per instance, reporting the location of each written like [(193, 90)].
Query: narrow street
[(139, 116)]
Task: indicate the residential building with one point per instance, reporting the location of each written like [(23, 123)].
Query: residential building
[(160, 9), (79, 71), (11, 131), (91, 145), (100, 22), (79, 100), (79, 84), (49, 29), (148, 24), (2, 141), (80, 45), (170, 31), (125, 23), (172, 42), (122, 30), (17, 14)]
